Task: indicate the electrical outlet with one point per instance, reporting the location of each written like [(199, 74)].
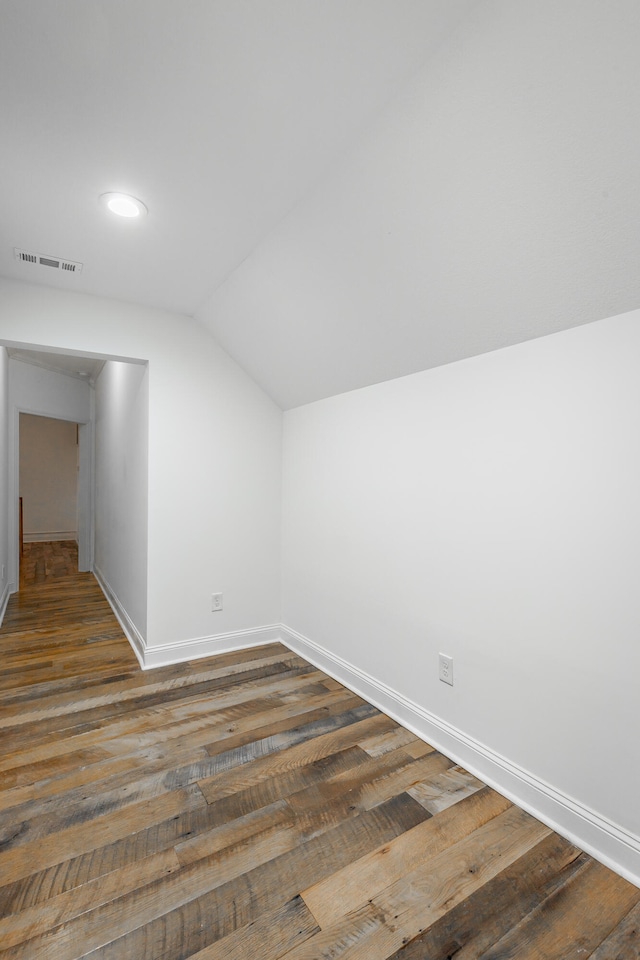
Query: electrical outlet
[(216, 602), (446, 669), (3, 571)]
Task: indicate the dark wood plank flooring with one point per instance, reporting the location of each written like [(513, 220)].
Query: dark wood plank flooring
[(46, 561), (249, 806)]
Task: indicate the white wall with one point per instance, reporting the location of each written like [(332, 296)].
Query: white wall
[(46, 393), (214, 463), (4, 479), (121, 494), (49, 478), (488, 509)]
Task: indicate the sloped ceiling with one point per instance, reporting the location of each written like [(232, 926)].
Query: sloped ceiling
[(341, 191)]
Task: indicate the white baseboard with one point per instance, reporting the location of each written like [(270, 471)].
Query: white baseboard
[(605, 841), (131, 632), (160, 656), (4, 600), (163, 655), (51, 536)]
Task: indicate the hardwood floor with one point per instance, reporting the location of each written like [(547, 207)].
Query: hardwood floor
[(51, 560), (248, 806)]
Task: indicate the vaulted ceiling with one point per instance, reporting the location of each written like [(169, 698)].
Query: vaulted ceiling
[(342, 191)]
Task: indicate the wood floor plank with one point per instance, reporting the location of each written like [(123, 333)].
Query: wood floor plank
[(623, 943), (269, 936), (54, 911), (234, 832), (145, 721), (152, 838), (249, 806), (403, 910), (447, 788), (383, 778), (240, 776), (260, 890), (382, 743), (123, 791), (28, 774), (326, 733), (19, 798), (60, 720), (48, 703), (17, 861), (356, 883), (573, 921), (287, 718), (417, 748), (67, 776), (287, 784), (480, 920)]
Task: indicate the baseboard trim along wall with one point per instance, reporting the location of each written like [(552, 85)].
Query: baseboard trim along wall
[(129, 628), (163, 655), (199, 647), (50, 536), (602, 839), (4, 600)]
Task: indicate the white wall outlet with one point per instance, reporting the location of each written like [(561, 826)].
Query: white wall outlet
[(216, 602), (446, 668)]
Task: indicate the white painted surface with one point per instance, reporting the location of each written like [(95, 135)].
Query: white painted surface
[(214, 490), (4, 479), (47, 393), (214, 458), (198, 647), (345, 192), (490, 509), (219, 116), (82, 368), (49, 478), (494, 200), (121, 484)]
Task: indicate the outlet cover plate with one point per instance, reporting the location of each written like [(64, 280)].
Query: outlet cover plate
[(216, 602), (446, 669)]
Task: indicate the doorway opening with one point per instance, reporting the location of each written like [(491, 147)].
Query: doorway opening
[(49, 464), (105, 398)]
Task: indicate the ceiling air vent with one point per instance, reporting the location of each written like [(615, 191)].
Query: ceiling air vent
[(56, 263)]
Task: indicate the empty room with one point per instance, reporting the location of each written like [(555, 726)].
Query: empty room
[(319, 522)]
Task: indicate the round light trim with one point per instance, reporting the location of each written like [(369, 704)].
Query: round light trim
[(123, 205)]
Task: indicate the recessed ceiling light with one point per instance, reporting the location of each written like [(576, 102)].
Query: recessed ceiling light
[(123, 205)]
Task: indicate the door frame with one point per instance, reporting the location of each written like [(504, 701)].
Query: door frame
[(85, 493)]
